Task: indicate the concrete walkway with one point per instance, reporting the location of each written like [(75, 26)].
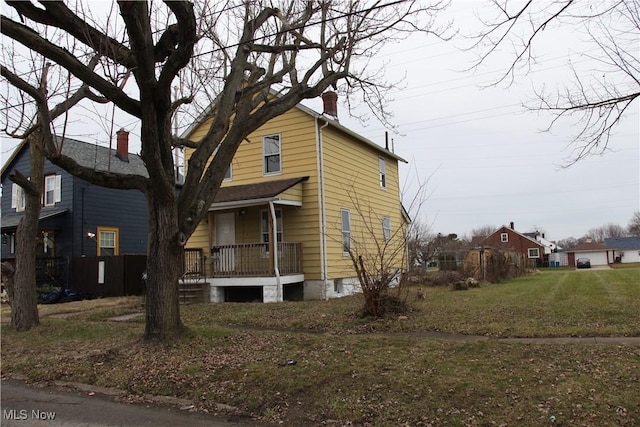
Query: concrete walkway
[(630, 341), (434, 335)]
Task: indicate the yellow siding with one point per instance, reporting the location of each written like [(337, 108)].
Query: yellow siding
[(294, 193), (352, 182), (351, 177), (298, 159)]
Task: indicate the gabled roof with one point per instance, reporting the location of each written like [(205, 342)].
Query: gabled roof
[(92, 156), (589, 247), (327, 119), (625, 243), (504, 227), (542, 240), (336, 124)]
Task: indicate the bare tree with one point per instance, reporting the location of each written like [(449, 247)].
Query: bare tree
[(634, 225), (21, 288), (483, 231), (260, 62), (568, 242), (378, 257), (597, 101), (421, 244), (606, 231)]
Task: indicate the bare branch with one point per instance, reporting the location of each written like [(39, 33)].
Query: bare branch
[(598, 100), (32, 40)]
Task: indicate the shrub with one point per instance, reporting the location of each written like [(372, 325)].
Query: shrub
[(442, 278)]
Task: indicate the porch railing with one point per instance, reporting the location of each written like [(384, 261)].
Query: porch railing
[(255, 260), (193, 263)]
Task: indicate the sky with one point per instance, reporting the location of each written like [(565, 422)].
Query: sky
[(488, 160), (485, 159)]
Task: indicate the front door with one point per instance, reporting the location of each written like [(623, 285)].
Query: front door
[(226, 236)]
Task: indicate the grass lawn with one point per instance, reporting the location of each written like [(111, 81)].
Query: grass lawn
[(316, 363)]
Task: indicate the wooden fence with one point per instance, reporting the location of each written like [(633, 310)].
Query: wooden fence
[(109, 276)]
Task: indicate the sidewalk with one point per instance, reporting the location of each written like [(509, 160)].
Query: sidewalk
[(630, 341), (72, 404)]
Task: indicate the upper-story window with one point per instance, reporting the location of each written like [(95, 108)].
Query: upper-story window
[(51, 190), (271, 154), (18, 201), (504, 237), (50, 195), (228, 174), (386, 228), (383, 172)]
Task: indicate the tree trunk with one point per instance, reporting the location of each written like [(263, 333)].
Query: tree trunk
[(164, 264), (23, 296)]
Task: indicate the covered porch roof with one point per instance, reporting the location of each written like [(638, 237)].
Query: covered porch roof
[(11, 221), (282, 191)]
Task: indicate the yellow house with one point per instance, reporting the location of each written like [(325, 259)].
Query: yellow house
[(315, 188)]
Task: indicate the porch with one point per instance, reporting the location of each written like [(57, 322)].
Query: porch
[(247, 272), (243, 239), (255, 260)]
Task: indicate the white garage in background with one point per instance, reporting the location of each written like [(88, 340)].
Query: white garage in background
[(597, 253), (627, 249)]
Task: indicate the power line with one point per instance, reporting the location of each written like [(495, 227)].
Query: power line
[(306, 25)]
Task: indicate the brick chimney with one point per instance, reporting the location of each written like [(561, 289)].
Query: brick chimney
[(122, 147), (330, 103)]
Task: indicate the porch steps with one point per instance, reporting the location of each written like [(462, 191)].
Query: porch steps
[(191, 290)]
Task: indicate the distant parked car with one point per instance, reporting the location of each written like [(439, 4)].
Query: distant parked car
[(583, 263)]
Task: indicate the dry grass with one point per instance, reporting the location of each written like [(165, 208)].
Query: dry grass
[(316, 363)]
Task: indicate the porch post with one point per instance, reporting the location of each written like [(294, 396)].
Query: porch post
[(274, 245)]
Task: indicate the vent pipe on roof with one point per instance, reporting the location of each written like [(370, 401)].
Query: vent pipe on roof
[(330, 104), (512, 225), (122, 146)]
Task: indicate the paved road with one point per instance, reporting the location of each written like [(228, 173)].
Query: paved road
[(24, 406)]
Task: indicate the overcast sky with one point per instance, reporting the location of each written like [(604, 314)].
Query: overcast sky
[(487, 160)]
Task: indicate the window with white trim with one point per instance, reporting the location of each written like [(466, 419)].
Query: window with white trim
[(504, 237), (18, 200), (383, 172), (108, 241), (345, 216), (52, 190), (386, 228), (264, 226), (534, 252), (228, 174), (271, 154)]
